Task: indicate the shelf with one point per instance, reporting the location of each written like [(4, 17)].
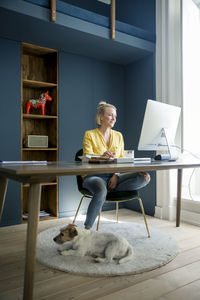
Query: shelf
[(40, 218), (33, 116), (39, 73), (43, 184), (36, 50), (38, 84), (38, 148)]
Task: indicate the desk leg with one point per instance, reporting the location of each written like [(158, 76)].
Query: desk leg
[(179, 188), (31, 239), (3, 189)]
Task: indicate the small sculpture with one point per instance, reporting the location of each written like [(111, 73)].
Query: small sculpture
[(38, 103)]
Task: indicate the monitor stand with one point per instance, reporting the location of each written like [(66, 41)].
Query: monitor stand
[(173, 154)]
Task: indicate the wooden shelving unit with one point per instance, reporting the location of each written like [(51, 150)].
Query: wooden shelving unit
[(39, 73)]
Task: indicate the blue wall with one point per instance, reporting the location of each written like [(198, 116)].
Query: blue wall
[(10, 87), (140, 13), (139, 87), (83, 83)]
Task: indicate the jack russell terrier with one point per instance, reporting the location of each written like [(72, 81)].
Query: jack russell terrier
[(104, 247)]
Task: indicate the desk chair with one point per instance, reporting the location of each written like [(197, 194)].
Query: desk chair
[(116, 197)]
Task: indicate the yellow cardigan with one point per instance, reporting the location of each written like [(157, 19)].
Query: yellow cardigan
[(93, 143)]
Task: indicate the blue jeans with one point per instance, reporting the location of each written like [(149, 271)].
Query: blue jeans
[(97, 185)]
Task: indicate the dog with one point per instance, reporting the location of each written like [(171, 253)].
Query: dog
[(103, 247)]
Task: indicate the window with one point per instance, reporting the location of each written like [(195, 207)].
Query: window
[(191, 93)]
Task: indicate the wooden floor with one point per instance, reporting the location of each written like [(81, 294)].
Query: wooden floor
[(180, 279)]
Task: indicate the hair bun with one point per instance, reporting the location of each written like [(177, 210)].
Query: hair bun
[(101, 103)]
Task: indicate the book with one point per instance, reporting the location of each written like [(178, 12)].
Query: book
[(102, 160), (42, 214), (95, 159), (24, 162)]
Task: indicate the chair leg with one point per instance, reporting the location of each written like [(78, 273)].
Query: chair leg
[(142, 208), (78, 209), (117, 210), (98, 222)]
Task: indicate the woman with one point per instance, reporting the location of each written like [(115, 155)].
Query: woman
[(107, 142)]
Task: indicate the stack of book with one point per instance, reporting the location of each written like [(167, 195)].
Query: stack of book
[(42, 214)]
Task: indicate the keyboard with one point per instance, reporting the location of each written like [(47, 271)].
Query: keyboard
[(142, 160), (132, 160), (124, 160)]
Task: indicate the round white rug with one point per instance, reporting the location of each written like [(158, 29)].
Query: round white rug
[(149, 253)]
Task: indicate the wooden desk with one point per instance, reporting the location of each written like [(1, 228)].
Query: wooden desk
[(37, 174)]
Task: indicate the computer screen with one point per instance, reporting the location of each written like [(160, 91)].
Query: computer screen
[(159, 128)]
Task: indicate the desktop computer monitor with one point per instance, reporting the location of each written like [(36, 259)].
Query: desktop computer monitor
[(159, 128)]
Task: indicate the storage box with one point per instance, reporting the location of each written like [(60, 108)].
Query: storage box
[(37, 141)]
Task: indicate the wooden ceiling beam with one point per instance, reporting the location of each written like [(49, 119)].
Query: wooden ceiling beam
[(53, 10), (112, 19)]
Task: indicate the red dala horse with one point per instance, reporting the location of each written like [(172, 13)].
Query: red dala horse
[(38, 103)]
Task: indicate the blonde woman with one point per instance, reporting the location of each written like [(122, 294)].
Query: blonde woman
[(107, 142)]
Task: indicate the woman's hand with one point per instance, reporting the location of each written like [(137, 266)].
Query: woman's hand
[(108, 154), (112, 182)]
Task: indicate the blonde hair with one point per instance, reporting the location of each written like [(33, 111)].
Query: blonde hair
[(101, 110)]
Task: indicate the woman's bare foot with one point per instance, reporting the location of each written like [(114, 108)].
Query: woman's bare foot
[(146, 176)]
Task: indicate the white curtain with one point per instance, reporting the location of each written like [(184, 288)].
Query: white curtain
[(191, 90), (172, 82), (168, 90)]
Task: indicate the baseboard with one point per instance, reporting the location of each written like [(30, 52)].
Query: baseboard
[(71, 213), (10, 222), (186, 216), (190, 217), (165, 213)]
